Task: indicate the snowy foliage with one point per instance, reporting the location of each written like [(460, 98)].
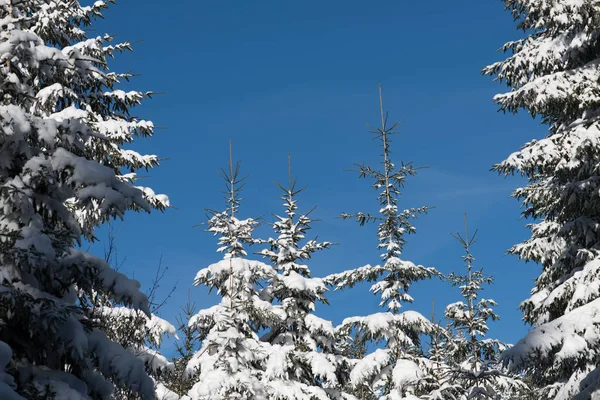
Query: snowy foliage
[(395, 370), (138, 333), (229, 361), (7, 382), (553, 72), (60, 176), (176, 382), (233, 233), (235, 279), (304, 362), (436, 382), (467, 364), (133, 329)]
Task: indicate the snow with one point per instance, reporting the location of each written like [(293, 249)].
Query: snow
[(296, 282), (153, 359), (278, 363), (7, 382), (123, 367), (369, 366), (322, 366), (157, 327), (564, 338), (119, 285), (375, 323), (316, 324), (33, 238), (385, 325), (405, 373), (163, 393)]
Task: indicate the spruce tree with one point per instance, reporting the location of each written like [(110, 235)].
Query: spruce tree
[(472, 369), (178, 381), (553, 73), (391, 372), (62, 124), (304, 362), (354, 348), (140, 334), (434, 384), (231, 360)]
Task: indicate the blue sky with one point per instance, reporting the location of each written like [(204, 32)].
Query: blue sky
[(301, 77)]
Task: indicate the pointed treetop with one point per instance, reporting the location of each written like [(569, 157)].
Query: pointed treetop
[(474, 358), (286, 250), (234, 183), (234, 233), (466, 242), (393, 224), (470, 318), (290, 192), (470, 284)]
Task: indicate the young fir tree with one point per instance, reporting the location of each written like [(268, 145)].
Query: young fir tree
[(231, 360), (391, 372), (137, 332), (178, 381), (553, 72), (354, 348), (472, 369), (434, 384), (304, 362), (60, 115)]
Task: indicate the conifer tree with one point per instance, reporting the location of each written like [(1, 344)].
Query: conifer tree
[(391, 372), (553, 73), (304, 361), (434, 384), (62, 124), (354, 348), (231, 359), (140, 334), (178, 381), (472, 369)]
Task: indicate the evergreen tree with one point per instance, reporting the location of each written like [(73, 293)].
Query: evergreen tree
[(434, 384), (178, 381), (392, 372), (137, 332), (60, 123), (354, 348), (473, 360), (231, 359), (553, 73), (304, 361)]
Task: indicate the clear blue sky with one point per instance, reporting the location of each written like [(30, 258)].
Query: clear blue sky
[(301, 77)]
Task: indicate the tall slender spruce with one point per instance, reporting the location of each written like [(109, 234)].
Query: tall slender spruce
[(231, 360), (178, 381), (475, 371), (435, 383), (391, 372), (305, 362)]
